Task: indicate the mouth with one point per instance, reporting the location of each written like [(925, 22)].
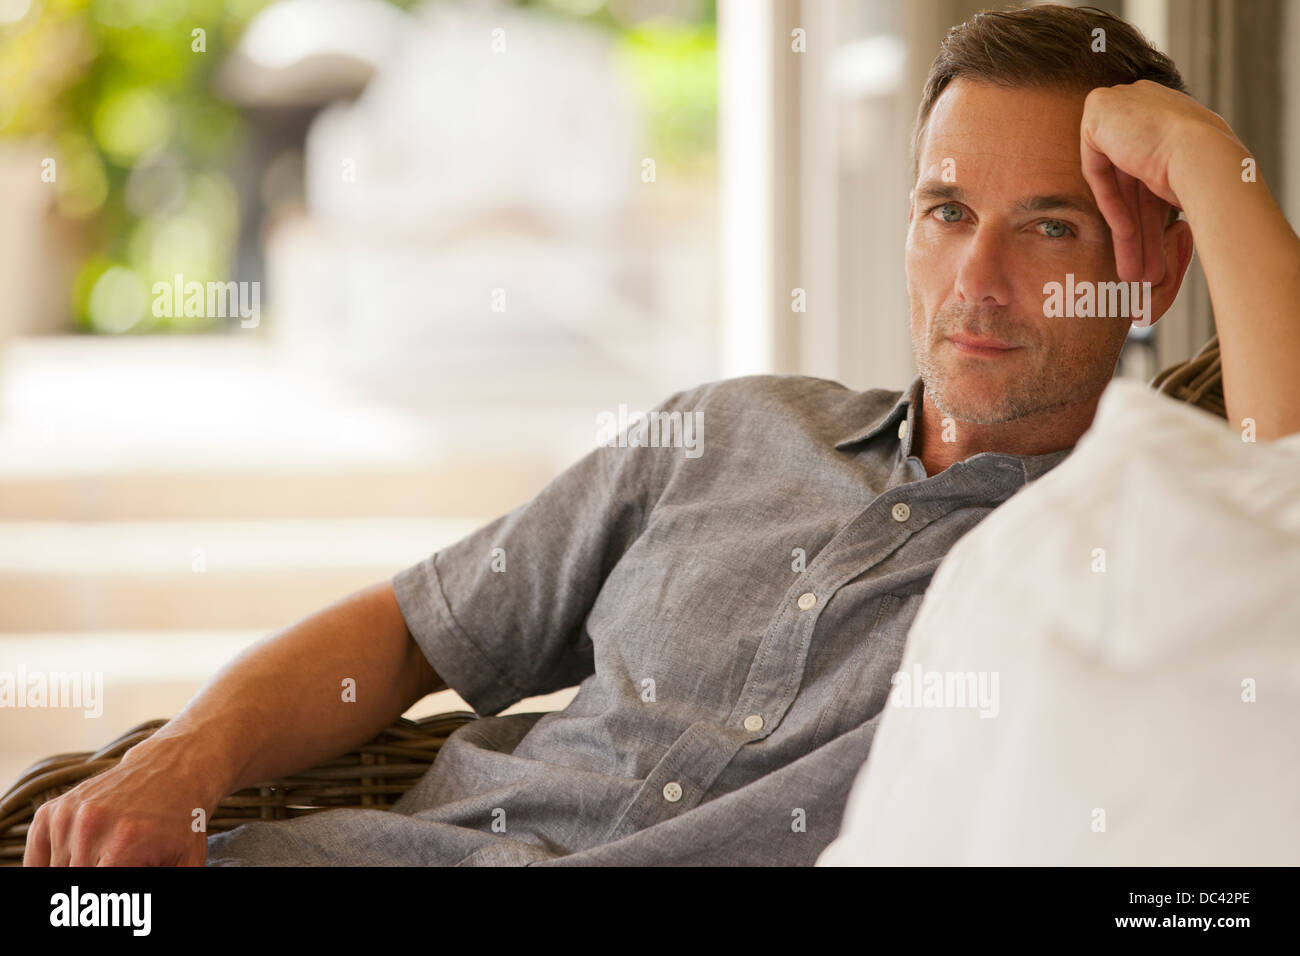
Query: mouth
[(982, 347)]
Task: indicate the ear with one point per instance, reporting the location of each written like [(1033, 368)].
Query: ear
[(1177, 246)]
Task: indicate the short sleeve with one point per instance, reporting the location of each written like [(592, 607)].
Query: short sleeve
[(500, 614)]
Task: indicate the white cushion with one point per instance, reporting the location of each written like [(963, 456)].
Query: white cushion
[(1121, 730)]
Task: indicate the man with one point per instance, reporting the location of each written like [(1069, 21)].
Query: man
[(734, 618)]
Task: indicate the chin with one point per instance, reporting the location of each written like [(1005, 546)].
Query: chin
[(979, 412), (981, 399)]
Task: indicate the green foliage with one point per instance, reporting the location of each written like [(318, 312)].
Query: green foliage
[(673, 69), (121, 94), (120, 89)]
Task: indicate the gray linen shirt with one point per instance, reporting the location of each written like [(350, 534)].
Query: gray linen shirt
[(733, 620)]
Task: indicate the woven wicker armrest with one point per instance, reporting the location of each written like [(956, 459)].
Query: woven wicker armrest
[(373, 776), (1198, 381)]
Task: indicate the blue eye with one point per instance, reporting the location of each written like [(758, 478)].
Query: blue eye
[(950, 212), (948, 205)]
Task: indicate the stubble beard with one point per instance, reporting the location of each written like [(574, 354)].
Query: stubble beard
[(1034, 391)]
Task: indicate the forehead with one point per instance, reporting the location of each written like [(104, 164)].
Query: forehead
[(1017, 133)]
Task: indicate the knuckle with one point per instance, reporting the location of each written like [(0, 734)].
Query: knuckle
[(58, 813), (91, 816)]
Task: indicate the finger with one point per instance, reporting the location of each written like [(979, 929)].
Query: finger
[(1130, 191), (83, 854), (37, 851), (1155, 212), (1100, 175), (60, 855), (60, 821)]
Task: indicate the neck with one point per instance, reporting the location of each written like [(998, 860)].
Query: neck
[(1036, 434)]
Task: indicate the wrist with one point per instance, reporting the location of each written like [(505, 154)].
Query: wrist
[(1207, 167), (191, 761)]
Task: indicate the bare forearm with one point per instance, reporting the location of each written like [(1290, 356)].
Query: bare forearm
[(283, 704), (1251, 258)]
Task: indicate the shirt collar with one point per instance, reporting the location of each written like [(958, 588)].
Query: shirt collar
[(905, 409)]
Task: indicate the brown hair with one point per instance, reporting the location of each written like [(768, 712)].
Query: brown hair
[(1047, 45)]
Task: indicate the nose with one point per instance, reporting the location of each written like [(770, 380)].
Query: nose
[(982, 278)]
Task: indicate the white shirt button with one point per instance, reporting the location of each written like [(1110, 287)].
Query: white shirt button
[(901, 512), (807, 600), (672, 791), (754, 723), (902, 429)]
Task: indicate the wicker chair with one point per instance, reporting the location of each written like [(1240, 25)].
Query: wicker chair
[(376, 774)]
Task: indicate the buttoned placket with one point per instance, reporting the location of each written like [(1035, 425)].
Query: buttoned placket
[(907, 468), (681, 780)]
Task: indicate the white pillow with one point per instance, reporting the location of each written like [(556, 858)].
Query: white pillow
[(1144, 714)]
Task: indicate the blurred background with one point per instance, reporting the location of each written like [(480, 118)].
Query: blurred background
[(431, 241)]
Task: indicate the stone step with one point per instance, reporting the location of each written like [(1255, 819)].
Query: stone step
[(74, 576), (471, 489), (174, 429)]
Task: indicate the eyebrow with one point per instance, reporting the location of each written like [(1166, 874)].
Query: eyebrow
[(932, 190)]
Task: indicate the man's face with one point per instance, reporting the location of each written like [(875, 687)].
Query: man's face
[(978, 255)]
